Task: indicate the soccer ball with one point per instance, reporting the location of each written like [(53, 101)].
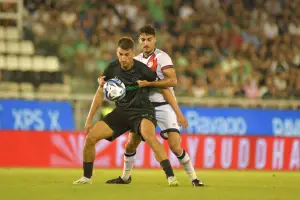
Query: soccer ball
[(114, 89)]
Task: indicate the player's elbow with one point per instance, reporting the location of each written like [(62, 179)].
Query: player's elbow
[(173, 83)]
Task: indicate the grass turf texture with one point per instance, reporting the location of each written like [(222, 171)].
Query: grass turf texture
[(55, 184)]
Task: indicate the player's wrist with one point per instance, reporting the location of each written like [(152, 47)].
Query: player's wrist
[(178, 113), (150, 84)]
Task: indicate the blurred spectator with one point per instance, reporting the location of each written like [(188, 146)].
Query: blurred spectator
[(186, 11), (273, 7), (271, 29), (294, 27), (229, 64), (250, 37), (251, 88), (220, 48)]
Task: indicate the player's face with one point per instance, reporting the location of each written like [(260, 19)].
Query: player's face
[(125, 57), (148, 42)]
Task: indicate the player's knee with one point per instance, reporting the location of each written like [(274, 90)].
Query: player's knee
[(175, 148), (151, 139), (90, 140)]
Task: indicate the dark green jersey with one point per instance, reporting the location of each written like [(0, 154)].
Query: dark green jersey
[(135, 97)]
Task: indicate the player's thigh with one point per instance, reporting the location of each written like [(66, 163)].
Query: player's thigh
[(147, 130), (118, 121), (99, 131), (166, 120), (133, 142)]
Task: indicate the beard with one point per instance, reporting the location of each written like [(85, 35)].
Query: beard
[(147, 51)]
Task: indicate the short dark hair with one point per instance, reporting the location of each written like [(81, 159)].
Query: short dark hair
[(126, 43), (147, 29)]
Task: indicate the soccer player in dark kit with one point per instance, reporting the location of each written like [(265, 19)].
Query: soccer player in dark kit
[(133, 112)]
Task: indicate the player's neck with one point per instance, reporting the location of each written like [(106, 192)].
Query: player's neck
[(146, 54), (128, 67)]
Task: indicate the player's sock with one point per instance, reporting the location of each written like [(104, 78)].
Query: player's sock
[(166, 165), (129, 161), (88, 169), (187, 164)]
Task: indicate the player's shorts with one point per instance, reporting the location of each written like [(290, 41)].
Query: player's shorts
[(124, 120), (166, 119)]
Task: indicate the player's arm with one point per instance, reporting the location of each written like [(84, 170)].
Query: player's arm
[(99, 96), (98, 99), (170, 79), (97, 102), (169, 97)]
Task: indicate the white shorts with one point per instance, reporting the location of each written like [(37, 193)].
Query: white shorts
[(166, 120)]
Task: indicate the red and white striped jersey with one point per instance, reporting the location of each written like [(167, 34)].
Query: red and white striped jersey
[(158, 61)]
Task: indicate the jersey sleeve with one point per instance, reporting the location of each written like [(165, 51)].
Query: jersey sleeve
[(148, 74), (165, 61), (108, 72)]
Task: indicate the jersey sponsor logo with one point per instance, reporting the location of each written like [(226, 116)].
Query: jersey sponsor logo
[(152, 63)]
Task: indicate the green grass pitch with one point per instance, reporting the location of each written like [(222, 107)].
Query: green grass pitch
[(56, 184)]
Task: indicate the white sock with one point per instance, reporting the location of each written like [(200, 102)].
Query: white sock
[(187, 165), (129, 161)]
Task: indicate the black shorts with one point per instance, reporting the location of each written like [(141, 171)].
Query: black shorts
[(124, 120)]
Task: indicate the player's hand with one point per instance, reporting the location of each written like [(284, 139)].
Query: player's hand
[(88, 126), (182, 121), (101, 81), (143, 83)]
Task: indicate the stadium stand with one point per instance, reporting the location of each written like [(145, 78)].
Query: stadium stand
[(221, 48)]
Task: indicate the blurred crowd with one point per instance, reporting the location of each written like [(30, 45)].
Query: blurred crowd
[(223, 48)]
